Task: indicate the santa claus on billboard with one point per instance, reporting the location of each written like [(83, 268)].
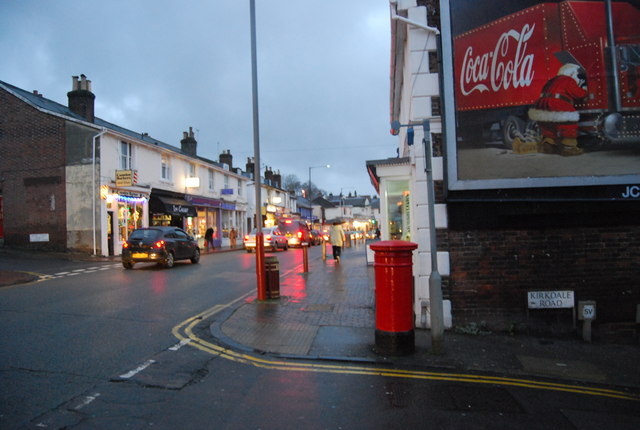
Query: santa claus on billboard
[(555, 113)]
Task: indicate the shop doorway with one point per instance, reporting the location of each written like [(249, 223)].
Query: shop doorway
[(110, 229)]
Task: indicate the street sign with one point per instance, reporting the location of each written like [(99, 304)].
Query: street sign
[(550, 299)]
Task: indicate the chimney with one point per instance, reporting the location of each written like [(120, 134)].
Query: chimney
[(277, 180), (268, 176), (250, 166), (188, 143), (226, 158), (81, 99)]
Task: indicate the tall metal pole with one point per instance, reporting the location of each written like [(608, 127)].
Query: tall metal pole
[(261, 273), (435, 280)]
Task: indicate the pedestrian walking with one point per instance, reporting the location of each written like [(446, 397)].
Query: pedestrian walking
[(232, 237), (208, 238), (337, 239)]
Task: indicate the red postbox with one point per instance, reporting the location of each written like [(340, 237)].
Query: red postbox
[(393, 265)]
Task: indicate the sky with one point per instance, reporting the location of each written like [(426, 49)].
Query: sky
[(162, 66)]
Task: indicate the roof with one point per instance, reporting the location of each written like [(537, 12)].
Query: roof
[(373, 164), (47, 105), (322, 202)]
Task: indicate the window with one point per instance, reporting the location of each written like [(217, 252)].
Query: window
[(126, 156), (211, 179), (435, 106), (192, 170), (433, 62), (398, 209), (166, 168), (239, 187), (226, 181)]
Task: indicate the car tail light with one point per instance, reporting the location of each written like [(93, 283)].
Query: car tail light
[(159, 244), (299, 235), (267, 237), (246, 237), (125, 245)]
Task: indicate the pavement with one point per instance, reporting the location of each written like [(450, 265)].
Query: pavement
[(328, 314)]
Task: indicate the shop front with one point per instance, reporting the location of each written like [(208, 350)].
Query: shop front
[(167, 208), (126, 210), (208, 215)]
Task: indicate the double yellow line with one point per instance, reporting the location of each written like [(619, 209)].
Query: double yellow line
[(184, 332)]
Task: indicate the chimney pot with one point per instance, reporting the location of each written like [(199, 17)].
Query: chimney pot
[(81, 99)]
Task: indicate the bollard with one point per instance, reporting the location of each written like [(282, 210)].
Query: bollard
[(305, 257), (393, 263), (324, 250), (272, 268)]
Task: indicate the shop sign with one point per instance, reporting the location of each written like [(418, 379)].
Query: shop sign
[(550, 299), (179, 209), (226, 191), (228, 206), (132, 194), (124, 178)]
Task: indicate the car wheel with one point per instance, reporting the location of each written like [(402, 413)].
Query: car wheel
[(196, 256), (249, 250), (286, 246), (168, 263), (127, 264)]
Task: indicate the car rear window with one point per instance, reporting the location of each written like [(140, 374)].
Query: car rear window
[(292, 228), (145, 234)]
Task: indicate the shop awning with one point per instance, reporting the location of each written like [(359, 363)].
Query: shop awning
[(171, 206)]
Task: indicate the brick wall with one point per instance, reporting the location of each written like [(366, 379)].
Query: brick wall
[(493, 266), (32, 159)]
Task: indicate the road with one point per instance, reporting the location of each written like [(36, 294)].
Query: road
[(94, 346)]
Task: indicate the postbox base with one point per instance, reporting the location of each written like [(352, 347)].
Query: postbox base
[(395, 343)]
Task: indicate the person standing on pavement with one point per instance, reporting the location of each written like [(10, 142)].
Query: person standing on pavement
[(208, 238), (337, 239), (232, 237)]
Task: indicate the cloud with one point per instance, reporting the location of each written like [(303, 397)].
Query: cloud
[(161, 66)]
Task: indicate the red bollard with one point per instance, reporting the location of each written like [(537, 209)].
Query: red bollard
[(394, 297)]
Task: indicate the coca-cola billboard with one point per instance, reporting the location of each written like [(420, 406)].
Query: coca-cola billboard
[(490, 70), (543, 94)]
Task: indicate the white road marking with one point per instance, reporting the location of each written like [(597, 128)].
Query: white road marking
[(86, 401), (179, 345), (138, 369)]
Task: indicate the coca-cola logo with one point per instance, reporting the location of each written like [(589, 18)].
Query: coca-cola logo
[(502, 68)]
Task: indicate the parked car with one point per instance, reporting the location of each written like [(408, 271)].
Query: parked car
[(296, 232), (161, 245), (274, 239)]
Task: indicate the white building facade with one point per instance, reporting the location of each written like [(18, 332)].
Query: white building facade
[(402, 181)]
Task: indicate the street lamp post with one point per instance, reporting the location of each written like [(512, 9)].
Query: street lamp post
[(342, 211), (261, 273), (326, 166), (435, 280)]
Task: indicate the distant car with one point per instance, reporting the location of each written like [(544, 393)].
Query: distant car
[(161, 245), (274, 239), (296, 231), (316, 237)]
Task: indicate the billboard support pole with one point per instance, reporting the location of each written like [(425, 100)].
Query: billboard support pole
[(435, 280)]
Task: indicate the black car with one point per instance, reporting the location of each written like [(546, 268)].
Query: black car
[(162, 245)]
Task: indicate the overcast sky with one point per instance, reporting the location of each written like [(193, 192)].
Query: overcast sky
[(161, 66)]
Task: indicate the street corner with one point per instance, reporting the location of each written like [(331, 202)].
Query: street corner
[(10, 277)]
